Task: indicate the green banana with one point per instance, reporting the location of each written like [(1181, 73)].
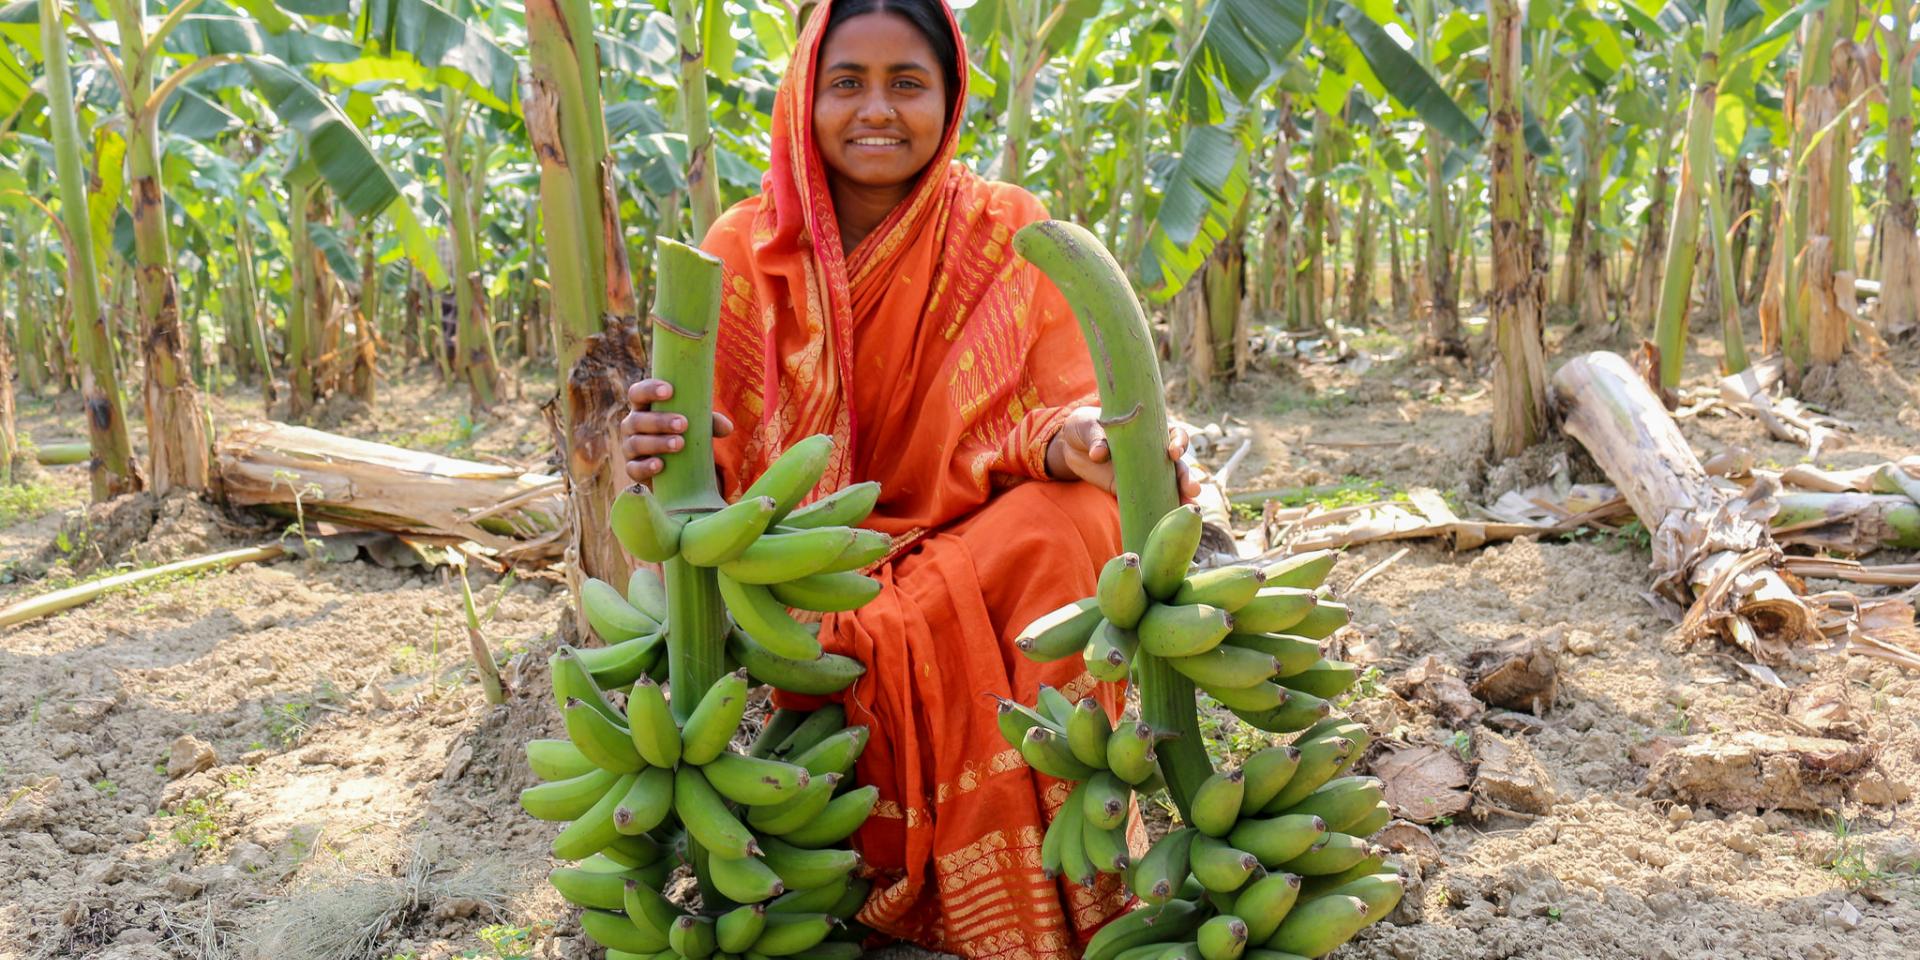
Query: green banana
[(755, 781), (647, 802), (1087, 731), (793, 474), (778, 726), (1267, 772), (1332, 853), (1105, 798), (737, 929), (779, 557), (1263, 696), (1370, 822), (835, 754), (1146, 951), (612, 618), (1169, 551), (557, 760), (1227, 587), (705, 815), (1130, 753), (1120, 593), (827, 673), (643, 526), (745, 879), (1341, 802), (1265, 902), (1055, 706), (647, 593), (843, 815), (827, 592), (714, 721), (1325, 678), (843, 508), (1016, 718), (1279, 840), (1294, 653), (1274, 609), (655, 735), (1312, 887), (593, 830), (1052, 840), (1215, 804), (1305, 571), (1339, 727), (693, 937), (1168, 923), (1222, 938), (1316, 927), (1105, 847), (1218, 866), (832, 949), (1321, 621), (1109, 652), (1320, 759), (1381, 891), (1059, 633), (1047, 752), (720, 536), (637, 853), (607, 744), (818, 725), (790, 933), (572, 681), (1230, 668), (1159, 874), (793, 812), (1169, 631), (615, 931), (600, 889), (803, 869), (867, 549), (567, 799), (623, 663), (820, 899), (1070, 822), (1257, 953), (764, 618), (1301, 710), (651, 911)]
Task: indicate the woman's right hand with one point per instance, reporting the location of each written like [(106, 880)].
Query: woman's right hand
[(647, 437)]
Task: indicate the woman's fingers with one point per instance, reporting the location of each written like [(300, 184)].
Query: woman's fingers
[(641, 471), (643, 393), (722, 425), (1176, 443), (641, 422), (1184, 480), (650, 444)]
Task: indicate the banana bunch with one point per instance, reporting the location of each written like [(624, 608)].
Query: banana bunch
[(769, 557), (1248, 636), (1273, 864), (1073, 741), (633, 627), (635, 787)]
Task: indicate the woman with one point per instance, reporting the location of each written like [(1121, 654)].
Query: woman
[(872, 294)]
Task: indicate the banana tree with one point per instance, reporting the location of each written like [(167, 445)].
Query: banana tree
[(1699, 171), (1899, 244), (1518, 295)]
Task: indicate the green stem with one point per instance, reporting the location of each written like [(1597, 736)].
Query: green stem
[(1732, 338), (1696, 166), (703, 186), (113, 471), (1131, 409)]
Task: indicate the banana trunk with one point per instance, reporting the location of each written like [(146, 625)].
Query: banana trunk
[(1136, 423)]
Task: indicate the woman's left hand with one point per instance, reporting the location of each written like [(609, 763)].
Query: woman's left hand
[(1080, 452)]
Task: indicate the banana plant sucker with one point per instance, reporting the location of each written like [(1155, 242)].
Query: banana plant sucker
[(1698, 165), (703, 181), (474, 334), (112, 469)]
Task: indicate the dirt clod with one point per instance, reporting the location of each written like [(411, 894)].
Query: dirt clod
[(1749, 771), (189, 754)]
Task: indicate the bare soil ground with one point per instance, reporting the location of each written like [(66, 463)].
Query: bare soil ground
[(276, 760)]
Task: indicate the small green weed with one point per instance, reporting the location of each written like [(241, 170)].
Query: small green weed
[(107, 788), (1323, 401), (286, 722), (196, 825), (25, 501), (1462, 744), (504, 942)]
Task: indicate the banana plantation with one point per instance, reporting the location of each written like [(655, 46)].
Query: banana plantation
[(1502, 414)]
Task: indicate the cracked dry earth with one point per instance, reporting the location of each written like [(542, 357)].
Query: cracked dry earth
[(266, 761)]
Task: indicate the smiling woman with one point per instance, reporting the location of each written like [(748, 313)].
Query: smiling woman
[(872, 294)]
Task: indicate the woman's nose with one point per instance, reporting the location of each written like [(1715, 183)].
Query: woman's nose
[(874, 109)]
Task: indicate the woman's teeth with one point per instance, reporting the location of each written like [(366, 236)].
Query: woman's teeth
[(878, 142)]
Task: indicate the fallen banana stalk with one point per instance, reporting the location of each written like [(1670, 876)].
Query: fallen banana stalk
[(62, 454), (34, 608)]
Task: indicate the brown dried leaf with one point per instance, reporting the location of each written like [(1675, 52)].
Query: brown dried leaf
[(1424, 784), (1429, 684)]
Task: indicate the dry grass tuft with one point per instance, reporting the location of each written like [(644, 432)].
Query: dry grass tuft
[(345, 916)]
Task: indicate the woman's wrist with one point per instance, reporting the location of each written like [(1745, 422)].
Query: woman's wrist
[(1057, 468)]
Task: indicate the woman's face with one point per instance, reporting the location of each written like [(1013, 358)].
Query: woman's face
[(879, 102)]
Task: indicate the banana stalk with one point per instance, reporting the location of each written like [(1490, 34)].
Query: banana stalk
[(1135, 419), (1698, 171)]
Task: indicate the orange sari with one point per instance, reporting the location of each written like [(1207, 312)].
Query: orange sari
[(942, 365)]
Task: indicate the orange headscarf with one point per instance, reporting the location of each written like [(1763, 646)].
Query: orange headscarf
[(967, 357)]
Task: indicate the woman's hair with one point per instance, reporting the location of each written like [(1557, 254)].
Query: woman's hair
[(927, 16)]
